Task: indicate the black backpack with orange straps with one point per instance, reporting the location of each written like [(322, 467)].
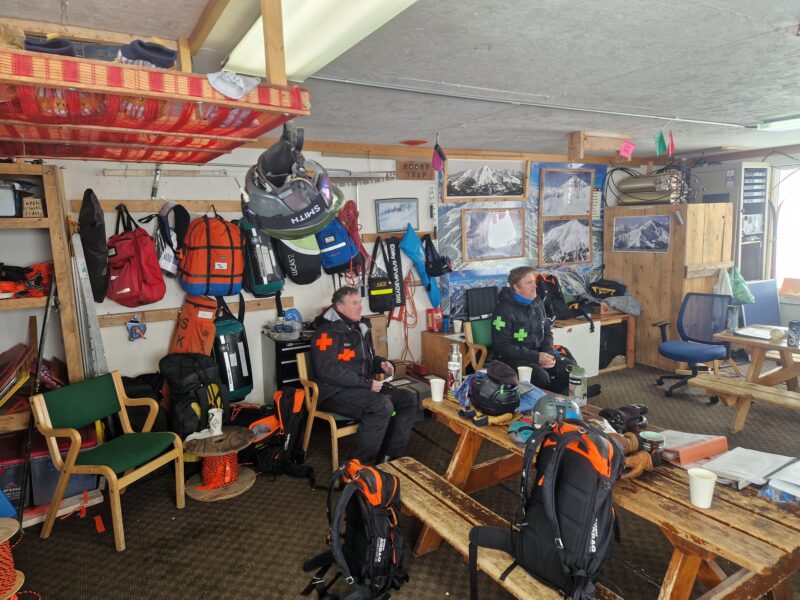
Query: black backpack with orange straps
[(568, 473), (365, 539)]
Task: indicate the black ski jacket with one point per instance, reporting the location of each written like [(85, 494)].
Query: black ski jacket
[(520, 331), (342, 354)]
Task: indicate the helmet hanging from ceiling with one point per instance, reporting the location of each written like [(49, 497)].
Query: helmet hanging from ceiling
[(286, 195)]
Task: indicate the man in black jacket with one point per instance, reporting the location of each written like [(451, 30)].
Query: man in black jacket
[(521, 334), (345, 366)]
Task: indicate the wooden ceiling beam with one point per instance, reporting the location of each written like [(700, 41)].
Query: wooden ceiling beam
[(272, 20), (580, 142), (81, 34), (208, 19)]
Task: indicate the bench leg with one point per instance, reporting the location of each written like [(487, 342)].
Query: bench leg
[(457, 473), (742, 408)]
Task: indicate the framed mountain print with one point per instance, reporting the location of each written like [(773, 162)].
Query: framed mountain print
[(469, 180), (492, 233)]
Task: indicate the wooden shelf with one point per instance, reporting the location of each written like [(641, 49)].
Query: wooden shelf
[(17, 421), (24, 223), (18, 303), (150, 206)]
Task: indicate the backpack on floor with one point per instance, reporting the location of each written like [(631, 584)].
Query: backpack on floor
[(365, 539), (337, 250), (194, 386), (555, 305), (134, 277), (263, 275), (277, 437), (194, 328), (212, 261), (231, 351), (568, 473)]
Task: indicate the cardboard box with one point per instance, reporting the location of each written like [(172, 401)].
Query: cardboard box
[(380, 336)]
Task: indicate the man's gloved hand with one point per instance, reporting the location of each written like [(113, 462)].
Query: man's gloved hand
[(636, 464)]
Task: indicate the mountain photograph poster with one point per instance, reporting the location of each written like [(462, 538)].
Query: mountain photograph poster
[(492, 233), (566, 192), (564, 241), (483, 179), (642, 234)]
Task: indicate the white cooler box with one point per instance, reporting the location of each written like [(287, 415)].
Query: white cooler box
[(584, 344)]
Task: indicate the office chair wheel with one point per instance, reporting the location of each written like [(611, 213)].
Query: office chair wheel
[(668, 393), (659, 381), (713, 400)]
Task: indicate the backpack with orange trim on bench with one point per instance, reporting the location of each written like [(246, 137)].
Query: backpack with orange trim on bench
[(568, 473), (368, 550)]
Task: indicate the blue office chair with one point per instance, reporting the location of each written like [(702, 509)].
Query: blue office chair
[(700, 317)]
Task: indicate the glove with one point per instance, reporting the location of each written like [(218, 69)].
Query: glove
[(636, 464)]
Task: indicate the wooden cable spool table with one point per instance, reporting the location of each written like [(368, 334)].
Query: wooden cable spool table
[(229, 483)]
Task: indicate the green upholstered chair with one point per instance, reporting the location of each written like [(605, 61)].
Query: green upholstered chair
[(61, 412), (478, 335), (340, 425)]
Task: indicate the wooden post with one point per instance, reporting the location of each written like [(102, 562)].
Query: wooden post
[(211, 14), (272, 20), (184, 56)]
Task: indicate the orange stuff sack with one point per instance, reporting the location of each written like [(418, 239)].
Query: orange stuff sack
[(212, 261), (194, 329)]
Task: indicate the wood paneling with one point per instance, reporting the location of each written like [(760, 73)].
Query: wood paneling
[(698, 248)]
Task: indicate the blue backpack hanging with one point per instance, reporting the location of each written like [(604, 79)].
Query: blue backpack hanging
[(338, 251)]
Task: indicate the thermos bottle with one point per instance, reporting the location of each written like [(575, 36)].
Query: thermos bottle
[(454, 365)]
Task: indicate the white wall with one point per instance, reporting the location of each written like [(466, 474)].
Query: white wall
[(132, 358)]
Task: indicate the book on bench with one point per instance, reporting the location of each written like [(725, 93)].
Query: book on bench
[(684, 448)]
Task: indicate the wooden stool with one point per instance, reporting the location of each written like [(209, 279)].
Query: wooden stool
[(232, 440), (8, 527)]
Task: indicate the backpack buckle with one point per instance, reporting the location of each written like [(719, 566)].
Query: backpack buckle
[(559, 543), (350, 580)]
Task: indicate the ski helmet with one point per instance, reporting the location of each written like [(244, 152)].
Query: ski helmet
[(286, 195)]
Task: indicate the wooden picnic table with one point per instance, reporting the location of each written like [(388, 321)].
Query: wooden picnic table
[(787, 371), (760, 537)]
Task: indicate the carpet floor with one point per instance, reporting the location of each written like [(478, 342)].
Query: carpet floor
[(253, 546)]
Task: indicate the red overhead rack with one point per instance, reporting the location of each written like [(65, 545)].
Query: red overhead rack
[(61, 107)]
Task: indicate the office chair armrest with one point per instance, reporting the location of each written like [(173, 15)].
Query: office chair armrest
[(662, 325)]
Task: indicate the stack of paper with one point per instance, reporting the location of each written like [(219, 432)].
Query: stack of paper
[(787, 479), (684, 448), (744, 465)]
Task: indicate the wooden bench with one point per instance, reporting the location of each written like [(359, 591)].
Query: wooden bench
[(740, 393), (452, 513)]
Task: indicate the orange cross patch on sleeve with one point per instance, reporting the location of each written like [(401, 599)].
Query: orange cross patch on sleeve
[(346, 355), (323, 342)]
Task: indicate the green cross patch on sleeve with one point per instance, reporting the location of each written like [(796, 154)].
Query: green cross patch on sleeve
[(521, 334), (498, 323)]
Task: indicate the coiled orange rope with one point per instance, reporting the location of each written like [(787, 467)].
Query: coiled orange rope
[(8, 574), (220, 471)]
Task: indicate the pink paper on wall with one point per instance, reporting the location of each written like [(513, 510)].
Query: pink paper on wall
[(626, 149)]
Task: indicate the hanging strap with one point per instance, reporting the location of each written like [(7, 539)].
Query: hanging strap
[(378, 244), (495, 538), (223, 310), (124, 218)]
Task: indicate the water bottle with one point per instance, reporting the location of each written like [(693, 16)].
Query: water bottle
[(454, 369), (578, 383)]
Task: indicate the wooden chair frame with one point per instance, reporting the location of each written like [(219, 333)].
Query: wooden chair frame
[(116, 485), (476, 353), (312, 397)]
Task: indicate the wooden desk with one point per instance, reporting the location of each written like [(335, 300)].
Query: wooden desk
[(761, 538), (788, 371)]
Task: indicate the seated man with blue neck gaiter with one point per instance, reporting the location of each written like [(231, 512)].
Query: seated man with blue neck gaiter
[(521, 334)]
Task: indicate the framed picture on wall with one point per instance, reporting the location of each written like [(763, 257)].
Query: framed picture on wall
[(642, 234), (564, 241), (394, 214), (467, 179), (565, 192), (492, 233)]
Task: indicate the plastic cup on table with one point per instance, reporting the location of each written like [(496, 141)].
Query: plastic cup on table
[(457, 325), (524, 373), (701, 487), (437, 389)]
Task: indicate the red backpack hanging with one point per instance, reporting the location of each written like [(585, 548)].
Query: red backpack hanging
[(134, 273)]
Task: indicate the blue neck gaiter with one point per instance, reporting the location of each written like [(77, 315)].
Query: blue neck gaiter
[(522, 299)]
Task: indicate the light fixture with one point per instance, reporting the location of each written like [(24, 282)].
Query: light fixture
[(314, 33), (780, 124)]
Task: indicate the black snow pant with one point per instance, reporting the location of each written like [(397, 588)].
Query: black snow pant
[(378, 433), (555, 379)]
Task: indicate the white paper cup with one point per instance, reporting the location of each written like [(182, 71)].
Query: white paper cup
[(457, 325), (524, 373), (701, 487), (437, 389), (215, 421)]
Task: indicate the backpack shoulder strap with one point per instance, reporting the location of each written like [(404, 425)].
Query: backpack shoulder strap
[(378, 244), (336, 533), (487, 536), (124, 218)]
